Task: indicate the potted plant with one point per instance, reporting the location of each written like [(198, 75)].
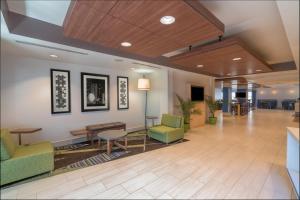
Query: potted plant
[(212, 107), (187, 108)]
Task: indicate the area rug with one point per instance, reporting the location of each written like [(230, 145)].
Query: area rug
[(76, 156), (84, 154)]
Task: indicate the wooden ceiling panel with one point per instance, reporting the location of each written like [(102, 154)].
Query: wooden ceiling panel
[(144, 42), (190, 27), (108, 23), (217, 58), (80, 22)]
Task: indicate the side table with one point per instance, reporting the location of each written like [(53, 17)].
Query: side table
[(153, 118), (21, 131)]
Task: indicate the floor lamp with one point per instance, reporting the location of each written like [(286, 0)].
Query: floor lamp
[(144, 84)]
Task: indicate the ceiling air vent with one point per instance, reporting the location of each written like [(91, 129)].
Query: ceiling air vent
[(49, 47)]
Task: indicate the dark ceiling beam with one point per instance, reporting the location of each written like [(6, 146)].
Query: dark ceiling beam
[(5, 11)]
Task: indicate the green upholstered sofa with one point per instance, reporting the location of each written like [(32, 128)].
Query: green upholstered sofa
[(170, 129), (19, 162)]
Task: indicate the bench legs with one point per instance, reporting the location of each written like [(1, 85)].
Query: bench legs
[(109, 146)]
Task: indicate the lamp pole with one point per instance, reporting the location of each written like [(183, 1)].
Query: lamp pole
[(146, 109), (144, 84)]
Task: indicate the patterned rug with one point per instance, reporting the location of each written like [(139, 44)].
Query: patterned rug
[(75, 156), (94, 160)]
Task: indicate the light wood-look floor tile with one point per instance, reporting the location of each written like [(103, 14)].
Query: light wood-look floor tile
[(239, 157)]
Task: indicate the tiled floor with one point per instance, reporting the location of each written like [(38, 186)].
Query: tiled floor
[(238, 158)]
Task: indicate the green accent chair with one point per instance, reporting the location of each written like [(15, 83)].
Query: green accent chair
[(19, 162), (170, 129)]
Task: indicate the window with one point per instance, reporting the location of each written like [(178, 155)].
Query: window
[(250, 96), (233, 96)]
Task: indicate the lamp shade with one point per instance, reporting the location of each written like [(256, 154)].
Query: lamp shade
[(143, 84)]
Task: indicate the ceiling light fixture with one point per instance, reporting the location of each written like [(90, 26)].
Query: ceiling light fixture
[(258, 70), (167, 20), (236, 59), (274, 92), (126, 44), (53, 56), (200, 66)]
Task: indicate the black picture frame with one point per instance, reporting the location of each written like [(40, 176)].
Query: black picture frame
[(54, 108), (126, 106), (95, 81)]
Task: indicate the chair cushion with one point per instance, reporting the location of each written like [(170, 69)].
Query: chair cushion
[(162, 129), (171, 121), (8, 146)]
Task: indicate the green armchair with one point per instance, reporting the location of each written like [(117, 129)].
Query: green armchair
[(19, 162), (170, 130)]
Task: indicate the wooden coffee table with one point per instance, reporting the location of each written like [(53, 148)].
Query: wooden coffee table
[(21, 131), (111, 137), (97, 128)]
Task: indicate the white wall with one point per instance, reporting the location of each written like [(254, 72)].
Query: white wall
[(158, 95), (26, 102), (279, 92)]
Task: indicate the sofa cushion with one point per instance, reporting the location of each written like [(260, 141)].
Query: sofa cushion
[(34, 149), (4, 153), (28, 161), (162, 129), (8, 146), (171, 121)]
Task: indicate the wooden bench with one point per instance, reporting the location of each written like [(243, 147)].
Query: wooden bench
[(91, 130)]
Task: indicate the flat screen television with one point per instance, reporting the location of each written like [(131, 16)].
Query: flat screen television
[(197, 93), (240, 95)]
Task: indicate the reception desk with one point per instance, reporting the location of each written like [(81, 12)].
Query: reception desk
[(292, 157)]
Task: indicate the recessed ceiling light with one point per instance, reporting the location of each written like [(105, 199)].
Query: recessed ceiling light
[(258, 70), (236, 59), (126, 44), (200, 66), (53, 56), (228, 74), (167, 20)]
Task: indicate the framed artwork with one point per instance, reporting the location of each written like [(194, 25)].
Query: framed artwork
[(60, 91), (123, 93), (94, 92)]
